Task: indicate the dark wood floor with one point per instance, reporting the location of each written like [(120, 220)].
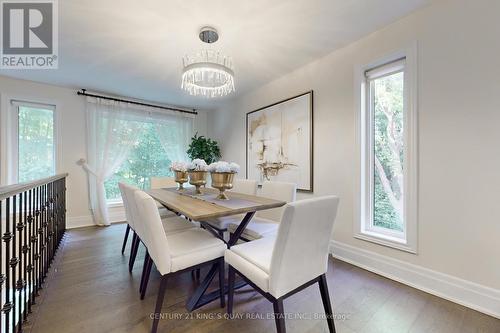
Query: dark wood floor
[(90, 290)]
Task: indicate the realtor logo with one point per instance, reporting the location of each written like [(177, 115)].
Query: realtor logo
[(29, 34)]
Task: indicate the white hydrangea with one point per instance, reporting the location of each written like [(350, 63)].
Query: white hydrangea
[(223, 166), (234, 167), (198, 165), (179, 166)]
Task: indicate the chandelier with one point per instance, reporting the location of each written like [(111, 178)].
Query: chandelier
[(208, 73)]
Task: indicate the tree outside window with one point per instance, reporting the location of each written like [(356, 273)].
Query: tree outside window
[(146, 159), (388, 133), (35, 143)]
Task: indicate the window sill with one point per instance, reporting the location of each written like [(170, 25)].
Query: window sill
[(115, 204), (392, 242)]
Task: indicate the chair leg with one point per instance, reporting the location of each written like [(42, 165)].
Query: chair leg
[(195, 274), (279, 316), (222, 277), (144, 265), (132, 246), (125, 238), (325, 296), (159, 303), (146, 277), (230, 289), (133, 252)]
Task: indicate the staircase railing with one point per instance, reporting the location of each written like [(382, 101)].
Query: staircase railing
[(32, 224)]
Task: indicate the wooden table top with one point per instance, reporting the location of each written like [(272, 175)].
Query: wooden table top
[(201, 210)]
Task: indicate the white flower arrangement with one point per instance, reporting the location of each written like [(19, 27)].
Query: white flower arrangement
[(179, 166), (223, 166), (198, 165)]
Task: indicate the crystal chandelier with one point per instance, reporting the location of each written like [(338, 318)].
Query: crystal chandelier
[(208, 73)]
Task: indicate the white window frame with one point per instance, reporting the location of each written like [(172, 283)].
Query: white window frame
[(363, 226), (10, 134)]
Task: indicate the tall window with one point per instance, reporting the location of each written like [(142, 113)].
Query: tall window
[(388, 183), (34, 133), (386, 106)]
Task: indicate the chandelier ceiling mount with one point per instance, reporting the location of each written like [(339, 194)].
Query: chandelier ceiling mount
[(208, 73)]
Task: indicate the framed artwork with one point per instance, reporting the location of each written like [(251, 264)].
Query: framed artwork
[(280, 142)]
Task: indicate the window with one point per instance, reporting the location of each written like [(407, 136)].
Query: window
[(385, 104), (388, 153), (147, 158), (34, 142)]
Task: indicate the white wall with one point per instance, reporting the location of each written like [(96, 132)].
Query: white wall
[(71, 109), (459, 160)]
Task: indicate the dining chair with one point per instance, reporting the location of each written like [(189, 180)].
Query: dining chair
[(163, 213), (128, 216), (171, 224), (266, 222), (296, 259), (245, 186), (176, 253)]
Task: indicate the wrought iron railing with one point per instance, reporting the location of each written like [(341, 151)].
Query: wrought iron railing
[(32, 224)]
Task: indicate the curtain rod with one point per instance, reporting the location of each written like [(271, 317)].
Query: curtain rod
[(83, 92)]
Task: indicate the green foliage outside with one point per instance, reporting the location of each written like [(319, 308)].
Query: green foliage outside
[(36, 144), (145, 160), (389, 151), (204, 148)]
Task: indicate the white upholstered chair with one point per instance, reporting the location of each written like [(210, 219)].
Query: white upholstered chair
[(171, 224), (296, 259), (176, 253), (266, 222), (128, 216), (245, 186), (156, 182)]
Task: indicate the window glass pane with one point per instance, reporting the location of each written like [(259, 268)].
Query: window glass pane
[(146, 159), (36, 143), (387, 99)]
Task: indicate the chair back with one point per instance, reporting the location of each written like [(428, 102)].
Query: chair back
[(127, 205), (155, 238), (129, 191), (278, 191), (301, 250), (162, 182), (245, 186)]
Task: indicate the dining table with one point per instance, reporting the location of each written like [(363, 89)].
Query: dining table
[(206, 206)]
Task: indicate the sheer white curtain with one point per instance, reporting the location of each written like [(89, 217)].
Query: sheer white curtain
[(174, 134), (112, 131), (109, 139)]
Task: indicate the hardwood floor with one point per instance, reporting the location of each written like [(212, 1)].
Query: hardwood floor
[(90, 290)]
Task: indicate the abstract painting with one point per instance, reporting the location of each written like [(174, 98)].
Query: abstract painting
[(280, 142)]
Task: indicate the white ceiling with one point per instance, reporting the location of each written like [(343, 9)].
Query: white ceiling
[(135, 48)]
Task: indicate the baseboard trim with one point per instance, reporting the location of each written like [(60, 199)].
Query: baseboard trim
[(73, 222), (116, 215), (463, 292)]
